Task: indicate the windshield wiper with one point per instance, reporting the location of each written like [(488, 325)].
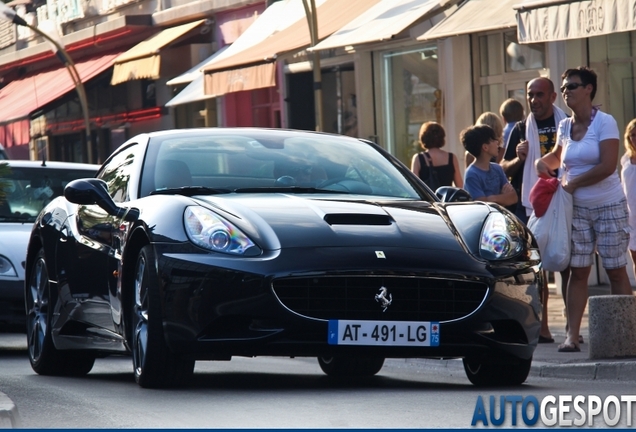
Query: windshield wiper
[(190, 191), (288, 189)]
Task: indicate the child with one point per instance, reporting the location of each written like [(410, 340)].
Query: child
[(485, 180)]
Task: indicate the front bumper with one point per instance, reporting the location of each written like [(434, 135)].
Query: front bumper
[(212, 311)]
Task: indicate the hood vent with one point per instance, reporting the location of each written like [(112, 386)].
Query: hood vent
[(357, 219)]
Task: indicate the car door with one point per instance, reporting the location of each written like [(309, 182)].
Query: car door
[(90, 256)]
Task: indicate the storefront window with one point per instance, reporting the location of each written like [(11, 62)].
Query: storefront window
[(522, 57), (411, 97), (490, 55), (504, 68), (492, 96)]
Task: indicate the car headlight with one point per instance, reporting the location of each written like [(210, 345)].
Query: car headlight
[(501, 237), (208, 230), (6, 268)]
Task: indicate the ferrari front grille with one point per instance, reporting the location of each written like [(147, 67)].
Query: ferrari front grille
[(363, 297)]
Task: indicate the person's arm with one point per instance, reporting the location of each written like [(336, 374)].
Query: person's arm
[(548, 165), (415, 164), (507, 196), (516, 152), (457, 178), (602, 170)]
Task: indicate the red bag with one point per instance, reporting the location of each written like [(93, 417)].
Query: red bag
[(541, 194)]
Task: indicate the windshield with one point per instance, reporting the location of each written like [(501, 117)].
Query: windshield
[(253, 161), (25, 191)]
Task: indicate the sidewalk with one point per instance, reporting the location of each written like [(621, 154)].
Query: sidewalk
[(548, 362)]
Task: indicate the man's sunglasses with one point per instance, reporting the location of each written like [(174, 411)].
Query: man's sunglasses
[(571, 86)]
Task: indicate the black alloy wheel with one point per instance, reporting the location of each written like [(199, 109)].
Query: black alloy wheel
[(341, 366), (44, 357), (155, 366)]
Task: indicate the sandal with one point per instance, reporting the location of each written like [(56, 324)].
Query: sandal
[(580, 339), (569, 347), (543, 339)]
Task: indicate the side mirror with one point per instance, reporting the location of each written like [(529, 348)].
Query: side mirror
[(94, 191), (452, 194)]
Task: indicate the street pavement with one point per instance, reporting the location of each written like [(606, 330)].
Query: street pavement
[(547, 361)]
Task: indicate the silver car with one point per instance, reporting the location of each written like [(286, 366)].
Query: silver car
[(25, 188)]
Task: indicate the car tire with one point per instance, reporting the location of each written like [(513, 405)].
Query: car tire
[(39, 302), (512, 373), (350, 366), (154, 365)]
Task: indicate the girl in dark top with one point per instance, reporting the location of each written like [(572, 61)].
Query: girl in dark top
[(436, 167)]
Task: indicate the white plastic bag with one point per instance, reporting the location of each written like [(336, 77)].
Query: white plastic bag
[(553, 231)]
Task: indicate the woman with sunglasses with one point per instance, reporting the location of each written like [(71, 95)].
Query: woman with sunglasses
[(587, 148)]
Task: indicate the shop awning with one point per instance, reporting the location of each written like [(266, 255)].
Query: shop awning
[(382, 22), (143, 61), (331, 16), (20, 98), (275, 18), (193, 92), (544, 21), (195, 72), (475, 16), (229, 81)]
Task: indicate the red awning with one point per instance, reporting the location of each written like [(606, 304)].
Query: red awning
[(15, 138), (22, 97)]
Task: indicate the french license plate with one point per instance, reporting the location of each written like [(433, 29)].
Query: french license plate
[(385, 333)]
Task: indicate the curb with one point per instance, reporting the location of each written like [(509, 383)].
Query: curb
[(9, 417), (615, 371), (597, 371)]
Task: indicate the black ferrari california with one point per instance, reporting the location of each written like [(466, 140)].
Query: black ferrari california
[(204, 244)]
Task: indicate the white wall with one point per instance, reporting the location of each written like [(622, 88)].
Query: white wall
[(456, 83)]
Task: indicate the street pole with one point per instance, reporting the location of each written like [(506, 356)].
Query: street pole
[(312, 22), (63, 56)]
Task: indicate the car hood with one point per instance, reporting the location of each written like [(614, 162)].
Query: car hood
[(280, 220), (14, 239)]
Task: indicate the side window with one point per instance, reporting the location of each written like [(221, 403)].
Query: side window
[(117, 172)]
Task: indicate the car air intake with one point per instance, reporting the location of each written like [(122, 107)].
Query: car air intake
[(354, 297), (357, 219)]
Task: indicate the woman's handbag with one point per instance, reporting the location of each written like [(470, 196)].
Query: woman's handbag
[(553, 231)]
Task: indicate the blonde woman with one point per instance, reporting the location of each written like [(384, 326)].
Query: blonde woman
[(628, 178), (494, 121)]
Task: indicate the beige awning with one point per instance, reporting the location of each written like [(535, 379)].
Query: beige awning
[(544, 21), (332, 15), (382, 22), (143, 61), (250, 78), (276, 17), (475, 16)]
